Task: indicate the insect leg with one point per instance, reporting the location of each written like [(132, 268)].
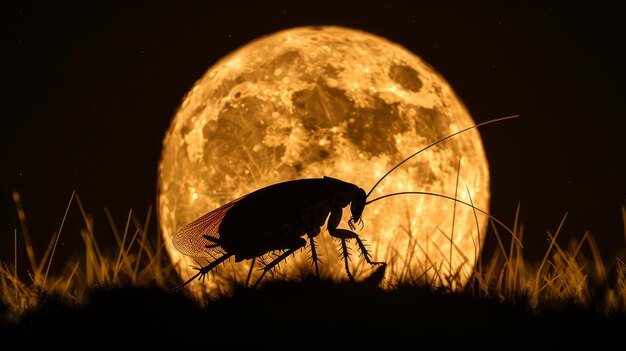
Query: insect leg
[(347, 234), (314, 256), (334, 219), (212, 239), (300, 243), (202, 272), (250, 271), (346, 258), (312, 233), (366, 254), (215, 241)]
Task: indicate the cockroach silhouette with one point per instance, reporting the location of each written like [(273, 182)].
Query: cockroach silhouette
[(275, 218)]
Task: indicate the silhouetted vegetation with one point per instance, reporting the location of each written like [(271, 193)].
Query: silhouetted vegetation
[(311, 314), (105, 297)]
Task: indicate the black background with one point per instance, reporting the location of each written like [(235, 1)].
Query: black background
[(88, 91)]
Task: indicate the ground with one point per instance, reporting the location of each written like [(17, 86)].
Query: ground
[(312, 314)]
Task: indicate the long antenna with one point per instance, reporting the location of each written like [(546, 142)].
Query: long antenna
[(453, 199), (435, 143)]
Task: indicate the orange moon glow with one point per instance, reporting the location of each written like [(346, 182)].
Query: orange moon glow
[(330, 101)]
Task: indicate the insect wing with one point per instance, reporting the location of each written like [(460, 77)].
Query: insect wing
[(200, 237)]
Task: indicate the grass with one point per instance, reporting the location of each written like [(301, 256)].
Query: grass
[(564, 277), (139, 259)]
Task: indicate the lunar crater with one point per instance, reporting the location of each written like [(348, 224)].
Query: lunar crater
[(407, 77)]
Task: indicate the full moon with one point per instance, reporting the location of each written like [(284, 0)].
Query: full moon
[(329, 101)]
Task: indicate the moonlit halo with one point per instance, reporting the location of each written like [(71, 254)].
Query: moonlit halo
[(330, 101)]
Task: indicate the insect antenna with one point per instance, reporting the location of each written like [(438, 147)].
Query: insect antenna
[(435, 143), (453, 199)]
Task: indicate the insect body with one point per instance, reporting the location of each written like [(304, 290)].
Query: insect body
[(277, 217)]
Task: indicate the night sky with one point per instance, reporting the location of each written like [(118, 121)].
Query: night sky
[(88, 92)]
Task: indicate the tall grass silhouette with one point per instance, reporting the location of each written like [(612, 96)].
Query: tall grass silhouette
[(564, 276), (137, 260)]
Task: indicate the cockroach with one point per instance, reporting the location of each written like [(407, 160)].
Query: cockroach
[(276, 218)]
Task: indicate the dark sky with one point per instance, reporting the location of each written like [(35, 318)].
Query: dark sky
[(88, 92)]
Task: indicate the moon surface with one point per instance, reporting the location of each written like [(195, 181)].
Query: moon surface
[(330, 101)]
